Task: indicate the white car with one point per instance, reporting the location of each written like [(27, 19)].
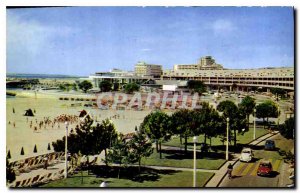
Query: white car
[(246, 155)]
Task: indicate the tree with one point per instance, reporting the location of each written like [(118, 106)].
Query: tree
[(208, 121), (267, 109), (105, 135), (139, 147), (196, 86), (85, 85), (278, 91), (288, 128), (119, 154), (183, 124), (105, 86), (116, 86), (131, 87), (236, 117), (74, 86), (10, 173), (22, 151), (247, 106), (156, 126), (62, 87), (88, 139)]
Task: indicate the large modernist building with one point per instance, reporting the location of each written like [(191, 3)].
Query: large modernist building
[(213, 75), (204, 63), (147, 70)]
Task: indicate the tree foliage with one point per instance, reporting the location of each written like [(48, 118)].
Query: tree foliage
[(196, 86), (118, 153), (156, 126), (130, 151), (183, 124), (88, 139), (247, 106), (277, 91), (209, 122), (288, 128), (237, 121), (105, 86), (267, 109), (131, 87), (85, 85)]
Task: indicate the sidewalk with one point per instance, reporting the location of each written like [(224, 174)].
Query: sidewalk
[(216, 180)]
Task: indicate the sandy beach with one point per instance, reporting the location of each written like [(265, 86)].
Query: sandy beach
[(21, 135)]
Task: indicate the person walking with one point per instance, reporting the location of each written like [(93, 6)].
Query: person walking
[(229, 170)]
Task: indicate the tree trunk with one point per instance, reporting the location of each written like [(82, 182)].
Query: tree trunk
[(160, 150), (105, 153), (264, 122), (234, 137), (139, 165), (205, 138), (248, 122), (156, 143), (119, 172), (210, 142), (185, 144), (180, 139)]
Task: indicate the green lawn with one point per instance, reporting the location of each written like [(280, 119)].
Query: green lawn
[(172, 159), (170, 179), (242, 139)]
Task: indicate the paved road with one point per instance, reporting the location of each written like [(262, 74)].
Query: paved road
[(245, 175)]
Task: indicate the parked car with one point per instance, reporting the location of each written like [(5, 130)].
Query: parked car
[(270, 145), (265, 168), (246, 155)]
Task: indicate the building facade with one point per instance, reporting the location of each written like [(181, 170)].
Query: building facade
[(238, 78), (213, 75), (143, 69), (204, 63)]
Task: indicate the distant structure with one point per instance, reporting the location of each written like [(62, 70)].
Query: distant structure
[(204, 63), (206, 70), (143, 69)]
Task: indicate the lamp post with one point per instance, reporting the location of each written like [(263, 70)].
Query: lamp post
[(254, 124), (227, 135), (195, 139), (66, 150)]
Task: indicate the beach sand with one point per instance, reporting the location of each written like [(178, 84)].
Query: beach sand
[(23, 136)]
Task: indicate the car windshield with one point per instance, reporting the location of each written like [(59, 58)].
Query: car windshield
[(246, 151), (265, 165), (270, 142)]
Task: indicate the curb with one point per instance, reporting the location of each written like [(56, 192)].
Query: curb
[(208, 180)]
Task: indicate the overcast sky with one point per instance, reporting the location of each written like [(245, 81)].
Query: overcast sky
[(83, 40)]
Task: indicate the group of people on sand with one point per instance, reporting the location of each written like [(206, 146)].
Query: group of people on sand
[(46, 122)]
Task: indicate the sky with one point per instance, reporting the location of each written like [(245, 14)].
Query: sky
[(84, 40)]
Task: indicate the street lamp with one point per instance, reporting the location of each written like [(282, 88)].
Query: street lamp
[(66, 150), (254, 124), (195, 140), (227, 143)]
